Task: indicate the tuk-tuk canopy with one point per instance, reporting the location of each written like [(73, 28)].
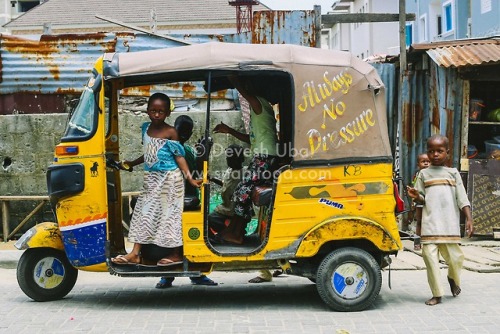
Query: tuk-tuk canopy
[(338, 101)]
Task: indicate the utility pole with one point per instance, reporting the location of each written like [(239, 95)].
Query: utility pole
[(402, 35), (402, 72)]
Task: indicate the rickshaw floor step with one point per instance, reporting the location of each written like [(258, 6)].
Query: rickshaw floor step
[(194, 270), (235, 249), (158, 273), (250, 244)]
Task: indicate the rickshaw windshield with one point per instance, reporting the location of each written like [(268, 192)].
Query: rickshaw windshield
[(83, 119)]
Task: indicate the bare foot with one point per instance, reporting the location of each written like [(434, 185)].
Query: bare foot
[(433, 301), (258, 279), (277, 272), (455, 289)]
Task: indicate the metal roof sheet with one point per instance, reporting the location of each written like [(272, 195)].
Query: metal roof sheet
[(83, 13), (463, 52), (61, 64)]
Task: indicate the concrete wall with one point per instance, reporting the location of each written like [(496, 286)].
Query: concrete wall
[(27, 147)]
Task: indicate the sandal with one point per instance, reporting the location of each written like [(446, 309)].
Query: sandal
[(166, 262), (164, 283), (122, 260), (203, 280)]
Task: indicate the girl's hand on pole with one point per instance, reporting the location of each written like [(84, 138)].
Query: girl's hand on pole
[(196, 183)]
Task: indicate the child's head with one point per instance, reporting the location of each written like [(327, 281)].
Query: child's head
[(423, 161), (235, 156), (159, 106), (437, 150), (184, 127)]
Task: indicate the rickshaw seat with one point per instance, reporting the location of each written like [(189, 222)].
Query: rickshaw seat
[(261, 195)]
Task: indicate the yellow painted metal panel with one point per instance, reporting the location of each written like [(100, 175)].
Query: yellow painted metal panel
[(349, 229), (46, 234), (317, 205), (308, 197)]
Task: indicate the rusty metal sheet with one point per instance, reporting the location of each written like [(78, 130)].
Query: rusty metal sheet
[(20, 103), (61, 64), (389, 75), (50, 65), (281, 27), (463, 53), (431, 102), (184, 90)]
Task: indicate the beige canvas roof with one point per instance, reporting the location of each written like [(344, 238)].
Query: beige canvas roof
[(339, 100), (230, 55)]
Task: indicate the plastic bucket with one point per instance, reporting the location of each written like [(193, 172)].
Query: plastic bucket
[(491, 145)]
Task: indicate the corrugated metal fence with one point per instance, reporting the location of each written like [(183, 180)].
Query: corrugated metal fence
[(432, 103)]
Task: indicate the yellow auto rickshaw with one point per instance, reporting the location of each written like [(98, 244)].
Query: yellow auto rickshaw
[(330, 211)]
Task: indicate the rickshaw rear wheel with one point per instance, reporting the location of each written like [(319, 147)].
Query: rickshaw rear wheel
[(348, 279), (45, 274)]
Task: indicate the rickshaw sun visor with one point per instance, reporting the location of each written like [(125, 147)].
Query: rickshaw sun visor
[(66, 150)]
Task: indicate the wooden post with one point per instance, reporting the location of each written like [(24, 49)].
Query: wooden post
[(317, 25), (403, 224), (402, 35), (402, 74), (31, 214), (5, 219)]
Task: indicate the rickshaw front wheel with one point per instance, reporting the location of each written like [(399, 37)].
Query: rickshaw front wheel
[(348, 279), (45, 274)]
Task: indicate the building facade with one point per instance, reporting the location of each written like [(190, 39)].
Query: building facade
[(11, 9), (445, 20), (435, 20), (365, 39)]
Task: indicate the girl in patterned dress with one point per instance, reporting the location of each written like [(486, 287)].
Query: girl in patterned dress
[(157, 217)]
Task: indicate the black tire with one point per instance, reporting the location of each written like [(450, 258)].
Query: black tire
[(45, 274), (348, 279)]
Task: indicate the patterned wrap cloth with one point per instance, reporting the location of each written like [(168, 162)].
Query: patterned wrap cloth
[(157, 217)]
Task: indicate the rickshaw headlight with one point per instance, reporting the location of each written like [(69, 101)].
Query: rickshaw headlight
[(22, 243)]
